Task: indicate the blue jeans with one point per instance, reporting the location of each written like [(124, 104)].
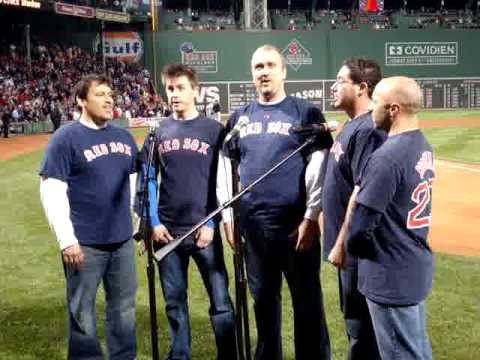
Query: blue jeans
[(401, 331), (361, 336), (173, 271), (115, 265), (269, 255)]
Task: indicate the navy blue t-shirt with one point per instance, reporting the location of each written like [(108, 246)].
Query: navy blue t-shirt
[(96, 165), (187, 157), (347, 157), (397, 182), (278, 203)]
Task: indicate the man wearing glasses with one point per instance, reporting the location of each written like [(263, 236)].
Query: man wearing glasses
[(352, 91)]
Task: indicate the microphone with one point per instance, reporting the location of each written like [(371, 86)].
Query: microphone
[(242, 122), (153, 123), (315, 129)]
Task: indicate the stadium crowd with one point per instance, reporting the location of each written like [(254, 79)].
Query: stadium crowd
[(41, 89)]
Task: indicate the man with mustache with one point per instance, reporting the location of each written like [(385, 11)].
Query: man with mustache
[(358, 138), (87, 185)]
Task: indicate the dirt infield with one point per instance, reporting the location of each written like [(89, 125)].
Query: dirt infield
[(456, 199), (456, 208), (19, 145), (459, 122)]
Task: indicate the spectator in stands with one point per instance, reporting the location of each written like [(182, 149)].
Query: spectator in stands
[(5, 116), (17, 114), (56, 116)]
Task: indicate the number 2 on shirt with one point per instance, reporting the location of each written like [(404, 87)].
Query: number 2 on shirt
[(422, 197)]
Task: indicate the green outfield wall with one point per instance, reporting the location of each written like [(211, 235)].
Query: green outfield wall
[(317, 54), (443, 61)]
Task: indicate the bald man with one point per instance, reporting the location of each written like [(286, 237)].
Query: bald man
[(388, 218)]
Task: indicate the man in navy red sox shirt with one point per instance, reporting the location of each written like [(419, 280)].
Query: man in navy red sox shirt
[(187, 157), (279, 216), (88, 180), (352, 90), (389, 217)]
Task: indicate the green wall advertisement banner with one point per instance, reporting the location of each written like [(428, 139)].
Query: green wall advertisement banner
[(443, 61), (318, 54), (421, 53)]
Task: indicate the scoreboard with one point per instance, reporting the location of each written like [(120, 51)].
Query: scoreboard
[(438, 93), (450, 93)]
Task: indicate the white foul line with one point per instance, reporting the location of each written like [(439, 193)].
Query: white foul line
[(453, 166)]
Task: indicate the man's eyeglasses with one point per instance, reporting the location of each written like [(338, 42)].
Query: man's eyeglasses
[(342, 82)]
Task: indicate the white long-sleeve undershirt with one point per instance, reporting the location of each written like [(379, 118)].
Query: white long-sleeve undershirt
[(224, 186), (314, 176), (53, 195)]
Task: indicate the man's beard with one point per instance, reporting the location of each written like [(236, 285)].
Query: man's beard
[(386, 123)]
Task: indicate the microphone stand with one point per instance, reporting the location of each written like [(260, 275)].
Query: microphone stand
[(170, 246), (241, 316), (145, 235), (241, 299)]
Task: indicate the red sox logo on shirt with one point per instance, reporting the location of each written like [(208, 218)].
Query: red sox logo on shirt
[(337, 150), (189, 144), (422, 194), (273, 127), (425, 163), (99, 150)]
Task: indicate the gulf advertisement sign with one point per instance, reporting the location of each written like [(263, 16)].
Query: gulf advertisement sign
[(125, 46)]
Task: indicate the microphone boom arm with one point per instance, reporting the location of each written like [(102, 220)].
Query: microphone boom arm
[(170, 246)]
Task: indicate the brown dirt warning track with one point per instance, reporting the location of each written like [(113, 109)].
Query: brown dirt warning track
[(456, 195)]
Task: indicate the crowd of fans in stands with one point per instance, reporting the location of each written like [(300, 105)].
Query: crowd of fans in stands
[(344, 19), (32, 92)]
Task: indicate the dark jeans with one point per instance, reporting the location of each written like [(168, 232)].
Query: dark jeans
[(173, 271), (115, 265), (268, 256), (361, 336)]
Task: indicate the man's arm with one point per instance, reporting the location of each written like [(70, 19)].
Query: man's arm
[(357, 229), (133, 188), (337, 255), (379, 182), (159, 232), (224, 193), (359, 241), (54, 199), (361, 146), (314, 176), (230, 151)]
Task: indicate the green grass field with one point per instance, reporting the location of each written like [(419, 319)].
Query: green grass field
[(32, 304), (452, 142)]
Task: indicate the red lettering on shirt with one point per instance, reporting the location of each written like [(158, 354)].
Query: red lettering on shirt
[(203, 148)]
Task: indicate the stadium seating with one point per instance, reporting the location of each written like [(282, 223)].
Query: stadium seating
[(30, 92)]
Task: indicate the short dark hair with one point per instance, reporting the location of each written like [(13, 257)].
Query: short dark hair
[(364, 70), (85, 83), (175, 70)]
